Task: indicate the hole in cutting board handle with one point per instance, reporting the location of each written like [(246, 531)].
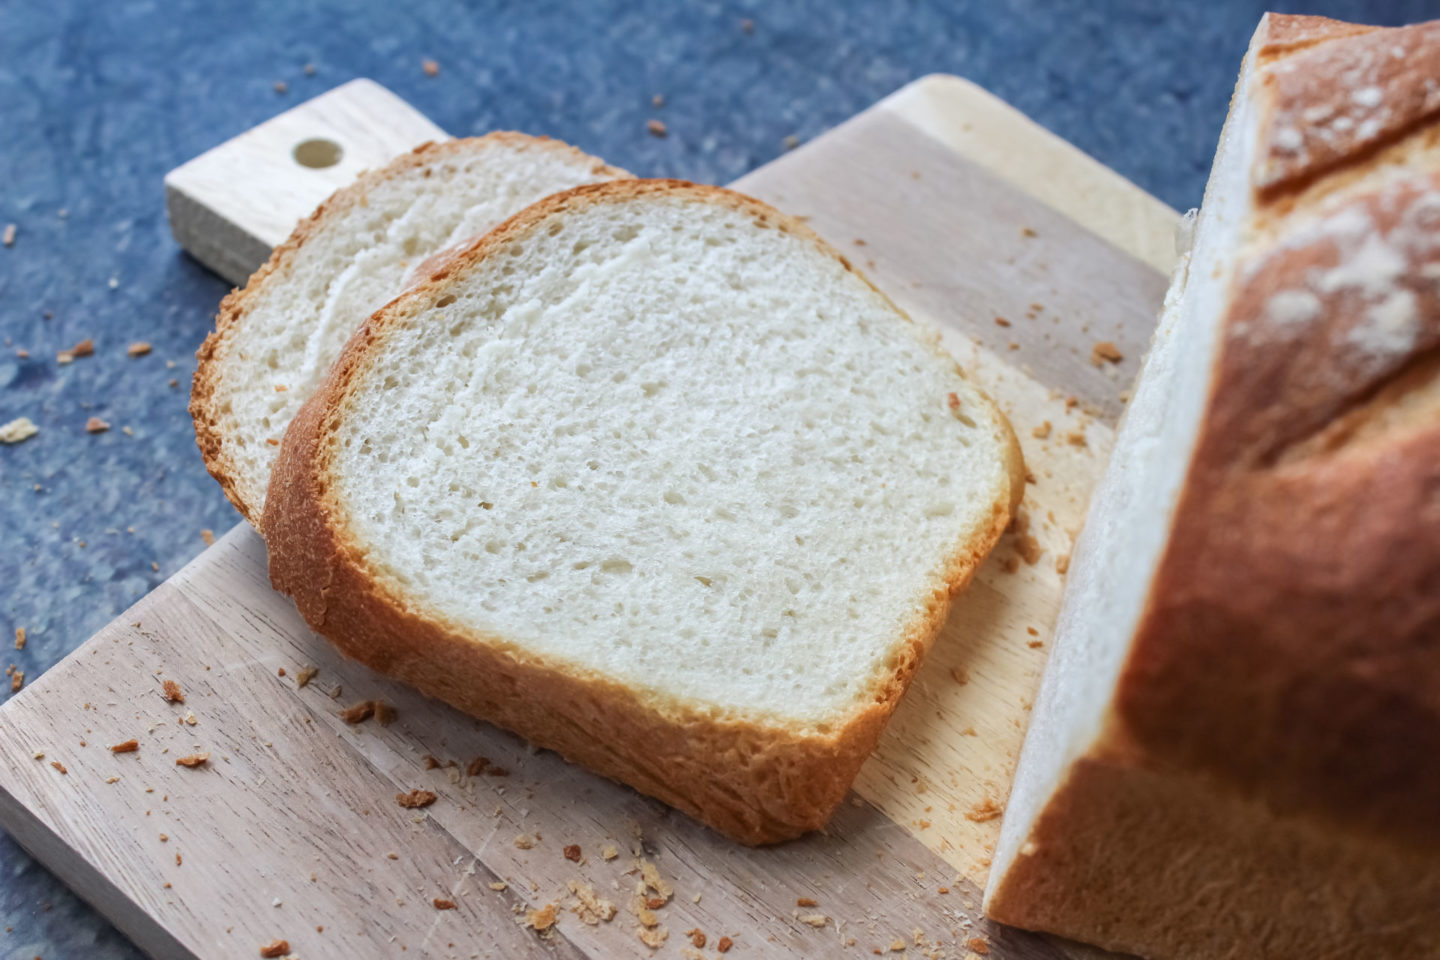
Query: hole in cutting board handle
[(317, 153)]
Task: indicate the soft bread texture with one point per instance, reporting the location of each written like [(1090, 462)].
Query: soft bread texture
[(651, 476), (1234, 749), (275, 339)]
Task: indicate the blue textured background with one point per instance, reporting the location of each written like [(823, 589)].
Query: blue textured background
[(99, 99)]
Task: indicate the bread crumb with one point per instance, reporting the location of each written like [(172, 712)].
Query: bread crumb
[(657, 128), (83, 349), (193, 760), (476, 767), (978, 945), (64, 357), (806, 902), (190, 718), (129, 746), (724, 944), (650, 876), (657, 101), (358, 713), (1042, 431), (17, 680), (9, 236), (572, 852), (272, 441), (960, 674), (179, 860), (697, 938), (897, 945), (415, 799), (280, 672), (173, 694), (96, 425), (524, 842), (986, 809), (653, 937), (275, 948), (542, 919), (304, 675), (590, 908), (609, 851), (1062, 563), (1010, 564), (431, 68), (281, 86), (816, 920), (1076, 438), (18, 430), (384, 713), (1105, 352), (1028, 232), (790, 142), (58, 766), (138, 349), (19, 638), (1028, 548), (443, 904), (498, 885)]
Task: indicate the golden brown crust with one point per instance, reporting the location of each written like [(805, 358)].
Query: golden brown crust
[(755, 780), (1334, 101), (213, 353)]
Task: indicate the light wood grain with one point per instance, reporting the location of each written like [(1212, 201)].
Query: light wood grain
[(229, 206), (292, 790)]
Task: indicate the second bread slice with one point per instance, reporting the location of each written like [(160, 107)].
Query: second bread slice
[(653, 477)]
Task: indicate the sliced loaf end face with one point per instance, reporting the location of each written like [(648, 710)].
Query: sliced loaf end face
[(651, 476), (274, 339)]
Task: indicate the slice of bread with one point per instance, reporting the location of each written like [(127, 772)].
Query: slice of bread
[(274, 340), (1236, 747), (651, 476)]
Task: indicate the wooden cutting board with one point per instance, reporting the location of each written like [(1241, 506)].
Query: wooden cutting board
[(1023, 251)]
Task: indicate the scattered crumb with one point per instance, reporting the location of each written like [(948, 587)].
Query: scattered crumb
[(790, 143), (1062, 563), (952, 401), (21, 428), (476, 767), (275, 948), (1028, 232), (17, 680), (272, 441), (978, 945), (64, 357), (1042, 431), (281, 86), (986, 809), (304, 675), (498, 885), (653, 937), (1124, 396), (208, 536), (83, 349), (1001, 322), (960, 674), (591, 908), (1076, 438), (58, 766), (384, 713), (697, 937), (138, 349), (1035, 644), (542, 919), (657, 128), (650, 876), (724, 944), (129, 746), (897, 945), (9, 236), (431, 68), (415, 799), (609, 851), (1028, 548), (193, 760), (1010, 564), (173, 693), (524, 842), (806, 902), (1105, 351), (309, 69), (358, 713), (657, 101), (443, 904), (814, 919), (178, 860), (572, 852), (19, 638), (190, 718), (280, 672), (96, 425)]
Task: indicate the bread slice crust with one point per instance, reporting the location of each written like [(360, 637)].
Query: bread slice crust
[(752, 778), (217, 352)]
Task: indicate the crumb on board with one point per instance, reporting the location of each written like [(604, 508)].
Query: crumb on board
[(442, 904), (415, 799), (542, 919), (1105, 351), (697, 937), (572, 852), (978, 945), (498, 885), (431, 67), (128, 746), (358, 713), (1062, 563), (96, 425), (1076, 438), (1010, 564), (208, 536), (653, 937), (281, 86), (173, 693), (384, 713), (1042, 431), (806, 902), (19, 638), (476, 767), (17, 680), (724, 944), (590, 907), (9, 236), (18, 430), (1029, 548), (304, 675), (984, 811), (816, 920), (138, 349), (609, 851), (280, 672), (960, 675), (657, 128), (192, 760), (1001, 322), (657, 101), (524, 842), (59, 766), (83, 349), (275, 948), (1028, 232)]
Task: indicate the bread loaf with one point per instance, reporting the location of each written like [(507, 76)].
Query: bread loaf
[(274, 340), (1236, 749), (653, 477)]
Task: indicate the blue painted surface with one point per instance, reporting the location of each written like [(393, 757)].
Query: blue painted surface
[(99, 99)]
